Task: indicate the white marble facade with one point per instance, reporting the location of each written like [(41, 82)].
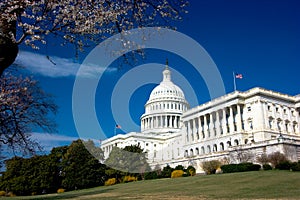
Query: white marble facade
[(255, 121)]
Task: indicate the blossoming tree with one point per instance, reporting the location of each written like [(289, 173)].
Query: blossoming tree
[(77, 21), (24, 108)]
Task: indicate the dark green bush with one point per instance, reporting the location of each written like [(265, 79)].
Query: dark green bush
[(190, 171), (242, 167), (295, 166), (179, 167), (151, 175), (166, 172), (285, 165), (267, 167)]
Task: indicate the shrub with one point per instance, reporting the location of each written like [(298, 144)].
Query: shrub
[(179, 167), (263, 159), (110, 181), (295, 166), (191, 171), (60, 190), (2, 193), (242, 167), (166, 172), (284, 165), (177, 173), (210, 167), (127, 179), (267, 167), (151, 175)]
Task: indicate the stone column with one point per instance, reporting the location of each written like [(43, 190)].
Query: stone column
[(217, 123), (211, 125), (166, 121), (205, 126), (297, 118), (170, 121), (199, 127), (238, 118), (224, 126), (231, 120), (189, 129), (194, 129)]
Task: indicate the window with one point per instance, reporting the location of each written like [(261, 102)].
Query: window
[(249, 108), (208, 149), (202, 150), (270, 123), (269, 108), (294, 127), (277, 109), (278, 125), (215, 149), (192, 152), (221, 146), (293, 113), (146, 144), (250, 124)]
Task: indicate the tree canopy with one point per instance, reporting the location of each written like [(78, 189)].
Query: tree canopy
[(130, 159), (71, 167)]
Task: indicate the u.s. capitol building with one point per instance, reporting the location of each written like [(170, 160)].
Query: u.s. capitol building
[(233, 127)]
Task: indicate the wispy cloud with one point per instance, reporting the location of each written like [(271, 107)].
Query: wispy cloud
[(55, 66), (48, 141)]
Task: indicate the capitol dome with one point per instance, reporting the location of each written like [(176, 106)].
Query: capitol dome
[(164, 108), (166, 89)]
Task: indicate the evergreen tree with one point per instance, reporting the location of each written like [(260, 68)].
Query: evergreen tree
[(80, 169)]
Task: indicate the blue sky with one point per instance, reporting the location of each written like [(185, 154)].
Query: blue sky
[(258, 38)]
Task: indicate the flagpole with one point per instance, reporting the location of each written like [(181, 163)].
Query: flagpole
[(234, 83)]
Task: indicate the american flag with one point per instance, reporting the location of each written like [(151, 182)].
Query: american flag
[(240, 76), (118, 126)]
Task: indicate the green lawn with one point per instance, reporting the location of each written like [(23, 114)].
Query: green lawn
[(247, 185)]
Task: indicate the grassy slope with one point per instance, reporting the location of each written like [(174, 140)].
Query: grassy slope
[(247, 185)]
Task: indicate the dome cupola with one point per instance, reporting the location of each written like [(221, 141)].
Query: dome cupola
[(165, 106)]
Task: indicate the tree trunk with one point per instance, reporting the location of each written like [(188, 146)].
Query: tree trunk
[(8, 48)]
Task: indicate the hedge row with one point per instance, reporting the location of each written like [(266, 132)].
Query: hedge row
[(242, 167)]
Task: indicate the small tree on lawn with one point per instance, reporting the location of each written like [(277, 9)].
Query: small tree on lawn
[(276, 158)]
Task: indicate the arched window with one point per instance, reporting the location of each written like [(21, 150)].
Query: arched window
[(215, 149), (236, 142), (186, 154), (221, 146), (202, 150), (191, 152), (208, 149), (197, 151), (228, 144)]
